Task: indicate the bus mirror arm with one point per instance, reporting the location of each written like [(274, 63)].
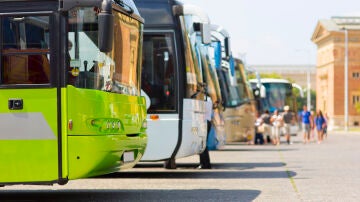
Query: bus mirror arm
[(201, 88), (224, 105), (195, 94)]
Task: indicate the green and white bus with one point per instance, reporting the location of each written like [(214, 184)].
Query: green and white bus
[(70, 104)]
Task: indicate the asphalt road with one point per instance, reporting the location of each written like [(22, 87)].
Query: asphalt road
[(299, 172)]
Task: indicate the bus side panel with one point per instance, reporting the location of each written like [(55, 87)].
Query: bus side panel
[(105, 125), (194, 128), (64, 128), (239, 123), (28, 137), (219, 140), (163, 135)]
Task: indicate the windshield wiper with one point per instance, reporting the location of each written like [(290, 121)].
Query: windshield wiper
[(125, 6)]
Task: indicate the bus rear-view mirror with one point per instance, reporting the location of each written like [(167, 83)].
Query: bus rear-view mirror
[(106, 31)]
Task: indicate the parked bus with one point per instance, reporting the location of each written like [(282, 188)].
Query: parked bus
[(239, 114), (70, 102), (173, 79), (278, 93), (244, 127), (210, 58)]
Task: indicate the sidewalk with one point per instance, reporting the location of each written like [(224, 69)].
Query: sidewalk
[(351, 130)]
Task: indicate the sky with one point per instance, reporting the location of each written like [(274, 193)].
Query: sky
[(276, 32)]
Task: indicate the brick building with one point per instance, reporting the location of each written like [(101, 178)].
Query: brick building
[(329, 36)]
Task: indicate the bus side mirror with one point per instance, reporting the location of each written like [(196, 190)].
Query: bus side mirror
[(106, 30), (262, 92), (227, 47), (205, 31), (259, 92), (256, 93)]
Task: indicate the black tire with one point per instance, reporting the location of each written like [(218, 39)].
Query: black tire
[(170, 164)]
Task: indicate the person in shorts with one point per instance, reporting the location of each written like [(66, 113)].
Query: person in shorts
[(277, 121), (288, 119), (267, 126), (306, 123)]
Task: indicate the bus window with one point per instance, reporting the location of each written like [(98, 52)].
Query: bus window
[(25, 50), (158, 78), (84, 55)]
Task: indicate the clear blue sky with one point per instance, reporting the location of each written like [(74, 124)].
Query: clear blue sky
[(274, 32)]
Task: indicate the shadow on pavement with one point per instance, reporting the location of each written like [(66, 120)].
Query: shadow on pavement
[(231, 166), (258, 149), (130, 195), (203, 174)]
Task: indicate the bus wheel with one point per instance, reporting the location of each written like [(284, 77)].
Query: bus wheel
[(205, 160), (170, 164)]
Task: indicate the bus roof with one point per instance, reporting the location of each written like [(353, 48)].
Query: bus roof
[(269, 80)]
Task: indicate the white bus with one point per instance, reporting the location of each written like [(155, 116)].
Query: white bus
[(278, 93), (172, 77)]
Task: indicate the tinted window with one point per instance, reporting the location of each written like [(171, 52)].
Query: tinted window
[(155, 13), (158, 73), (25, 50), (278, 95)]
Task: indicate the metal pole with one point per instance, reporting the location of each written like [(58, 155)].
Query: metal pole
[(346, 114)]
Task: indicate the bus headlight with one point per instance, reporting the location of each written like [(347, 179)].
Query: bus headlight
[(144, 124)]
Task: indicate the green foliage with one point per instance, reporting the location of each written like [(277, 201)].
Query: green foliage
[(357, 107), (272, 75), (303, 101)]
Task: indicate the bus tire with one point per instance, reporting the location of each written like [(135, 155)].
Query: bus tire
[(170, 163)]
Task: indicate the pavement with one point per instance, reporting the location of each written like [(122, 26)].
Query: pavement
[(329, 171)]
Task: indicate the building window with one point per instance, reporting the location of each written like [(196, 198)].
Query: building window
[(356, 75), (356, 99)]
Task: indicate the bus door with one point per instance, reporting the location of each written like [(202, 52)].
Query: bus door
[(160, 82), (28, 100)]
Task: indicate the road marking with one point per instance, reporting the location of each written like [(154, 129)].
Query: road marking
[(292, 181)]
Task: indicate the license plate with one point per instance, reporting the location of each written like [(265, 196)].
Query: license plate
[(128, 156)]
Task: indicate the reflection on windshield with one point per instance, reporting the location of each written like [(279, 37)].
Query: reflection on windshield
[(277, 96), (25, 52), (88, 67)]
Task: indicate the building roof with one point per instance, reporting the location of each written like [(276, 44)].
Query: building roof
[(339, 23), (335, 24)]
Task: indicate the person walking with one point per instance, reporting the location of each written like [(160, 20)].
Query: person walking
[(259, 130), (312, 127), (277, 121), (326, 125), (288, 119), (267, 126), (320, 124), (306, 124)]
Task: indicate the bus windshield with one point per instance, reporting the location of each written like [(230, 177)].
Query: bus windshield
[(277, 96), (243, 88), (117, 71)]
